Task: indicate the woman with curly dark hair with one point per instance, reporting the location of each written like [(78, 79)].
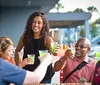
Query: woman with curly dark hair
[(36, 37), (13, 74)]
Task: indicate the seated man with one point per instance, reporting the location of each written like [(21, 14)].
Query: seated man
[(69, 63)]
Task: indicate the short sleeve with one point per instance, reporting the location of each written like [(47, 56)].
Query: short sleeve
[(13, 74)]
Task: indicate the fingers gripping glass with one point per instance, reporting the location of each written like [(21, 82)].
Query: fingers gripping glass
[(81, 46), (32, 58), (43, 53)]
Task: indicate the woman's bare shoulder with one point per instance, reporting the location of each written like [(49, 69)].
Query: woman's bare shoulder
[(49, 38)]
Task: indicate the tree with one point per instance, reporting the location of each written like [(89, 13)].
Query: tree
[(78, 10), (97, 21), (92, 9), (94, 31), (59, 6), (82, 31)]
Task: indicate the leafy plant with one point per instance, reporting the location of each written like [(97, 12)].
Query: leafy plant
[(94, 31), (59, 6), (82, 31)]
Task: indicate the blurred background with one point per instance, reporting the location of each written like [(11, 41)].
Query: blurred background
[(69, 20)]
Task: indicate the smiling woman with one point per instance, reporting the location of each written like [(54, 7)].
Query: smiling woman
[(6, 48), (36, 37), (11, 73)]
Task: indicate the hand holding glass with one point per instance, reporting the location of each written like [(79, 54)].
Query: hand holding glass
[(32, 58), (43, 53), (54, 46)]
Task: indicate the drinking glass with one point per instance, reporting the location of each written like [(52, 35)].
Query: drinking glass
[(42, 53), (32, 58), (54, 46)]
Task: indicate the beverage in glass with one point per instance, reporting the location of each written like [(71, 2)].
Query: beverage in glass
[(42, 53), (32, 58), (54, 46)]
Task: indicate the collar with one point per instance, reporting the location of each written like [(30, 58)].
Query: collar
[(78, 59), (87, 59)]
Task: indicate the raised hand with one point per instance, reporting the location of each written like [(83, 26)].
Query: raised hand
[(24, 62), (68, 54)]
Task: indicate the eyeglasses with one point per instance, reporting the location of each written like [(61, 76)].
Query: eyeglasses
[(81, 46)]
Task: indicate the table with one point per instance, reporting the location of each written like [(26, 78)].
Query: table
[(64, 84)]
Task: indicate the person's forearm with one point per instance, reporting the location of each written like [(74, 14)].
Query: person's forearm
[(20, 65), (41, 70), (17, 58), (36, 76), (59, 64)]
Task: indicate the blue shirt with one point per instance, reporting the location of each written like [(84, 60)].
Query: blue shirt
[(11, 74)]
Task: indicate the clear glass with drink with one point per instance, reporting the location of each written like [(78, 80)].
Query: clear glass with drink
[(43, 53), (32, 58), (54, 46)]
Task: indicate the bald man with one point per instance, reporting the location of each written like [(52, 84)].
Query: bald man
[(69, 63)]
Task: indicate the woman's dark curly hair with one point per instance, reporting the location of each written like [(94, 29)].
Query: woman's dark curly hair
[(28, 32)]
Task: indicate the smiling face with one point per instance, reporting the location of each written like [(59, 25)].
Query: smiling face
[(37, 24), (6, 47), (82, 48), (7, 53)]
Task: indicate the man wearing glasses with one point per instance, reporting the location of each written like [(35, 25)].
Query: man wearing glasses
[(69, 63)]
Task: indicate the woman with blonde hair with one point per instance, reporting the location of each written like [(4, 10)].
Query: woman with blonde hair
[(10, 73)]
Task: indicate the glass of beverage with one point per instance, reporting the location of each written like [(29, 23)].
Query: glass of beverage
[(54, 46), (65, 47), (32, 58), (42, 53)]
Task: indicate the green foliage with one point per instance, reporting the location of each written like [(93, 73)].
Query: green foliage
[(94, 31), (78, 10), (59, 6), (97, 21), (92, 9), (82, 31)]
